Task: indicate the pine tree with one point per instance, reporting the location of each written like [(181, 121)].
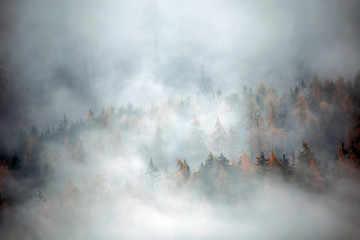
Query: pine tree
[(286, 166), (262, 161), (262, 164), (224, 162), (219, 137)]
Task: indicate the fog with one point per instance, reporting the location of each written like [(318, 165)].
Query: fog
[(68, 56), (92, 93)]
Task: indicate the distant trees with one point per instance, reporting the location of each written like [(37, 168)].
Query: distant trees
[(158, 151), (205, 83), (233, 143), (273, 125), (152, 174), (219, 138), (197, 141)]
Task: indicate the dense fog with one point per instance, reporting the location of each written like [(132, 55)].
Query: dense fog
[(179, 119)]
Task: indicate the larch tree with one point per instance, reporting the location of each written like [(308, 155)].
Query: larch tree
[(246, 168), (301, 111), (275, 165), (316, 178), (183, 171)]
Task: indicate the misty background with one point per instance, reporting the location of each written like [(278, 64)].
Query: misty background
[(64, 57), (184, 119)]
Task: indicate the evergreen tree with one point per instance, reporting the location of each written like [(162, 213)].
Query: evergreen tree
[(233, 143), (183, 171), (90, 117), (158, 152), (152, 174), (262, 161), (224, 162), (205, 84), (219, 137), (258, 138), (197, 141), (262, 164), (286, 166)]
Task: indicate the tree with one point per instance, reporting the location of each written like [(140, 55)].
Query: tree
[(158, 153), (262, 161), (246, 168), (218, 93), (152, 174), (301, 111), (90, 117), (258, 138), (196, 141), (219, 137), (286, 166), (205, 83), (316, 178), (183, 171), (224, 162), (262, 164), (275, 164), (233, 142), (305, 156)]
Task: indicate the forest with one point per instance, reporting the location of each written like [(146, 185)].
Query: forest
[(306, 138), (157, 119)]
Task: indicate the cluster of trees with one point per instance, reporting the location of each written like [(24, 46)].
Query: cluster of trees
[(221, 179), (324, 113)]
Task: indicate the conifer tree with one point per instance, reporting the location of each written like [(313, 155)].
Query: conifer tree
[(197, 141), (152, 174), (158, 152), (233, 143), (258, 138), (205, 83), (183, 171), (262, 161), (219, 138)]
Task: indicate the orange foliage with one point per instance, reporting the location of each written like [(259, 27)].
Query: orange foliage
[(316, 178), (246, 167)]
